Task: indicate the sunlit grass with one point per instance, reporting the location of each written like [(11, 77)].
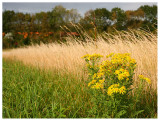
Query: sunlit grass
[(67, 57)]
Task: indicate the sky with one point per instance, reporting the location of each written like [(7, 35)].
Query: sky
[(82, 7)]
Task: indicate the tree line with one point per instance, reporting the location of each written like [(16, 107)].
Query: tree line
[(102, 19)]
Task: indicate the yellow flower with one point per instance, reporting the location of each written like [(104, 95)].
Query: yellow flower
[(148, 80), (101, 81), (120, 77), (92, 82), (122, 74), (123, 59), (98, 86), (144, 78), (85, 56), (109, 92), (122, 90), (94, 76), (141, 77), (115, 89), (99, 75), (109, 55), (117, 72), (91, 57)]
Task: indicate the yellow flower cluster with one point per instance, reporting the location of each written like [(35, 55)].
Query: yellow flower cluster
[(145, 78), (123, 59), (122, 74), (98, 75), (106, 67), (115, 88), (91, 66), (92, 82), (109, 55), (117, 60), (111, 71), (96, 85), (92, 57)]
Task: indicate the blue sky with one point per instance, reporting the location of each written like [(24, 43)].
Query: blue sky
[(34, 7)]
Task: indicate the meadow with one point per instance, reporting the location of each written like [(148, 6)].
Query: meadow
[(51, 80)]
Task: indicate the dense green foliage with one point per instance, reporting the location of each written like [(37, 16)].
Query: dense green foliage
[(30, 92), (97, 21)]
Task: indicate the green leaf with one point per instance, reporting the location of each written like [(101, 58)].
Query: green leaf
[(119, 114), (105, 116), (77, 111), (137, 112), (62, 116), (124, 106)]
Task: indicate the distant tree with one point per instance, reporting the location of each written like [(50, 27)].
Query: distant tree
[(57, 17), (100, 17), (45, 22), (150, 17), (8, 20), (72, 16), (103, 18), (19, 22), (87, 19), (38, 20), (119, 18), (150, 12), (134, 18), (27, 21), (32, 25)]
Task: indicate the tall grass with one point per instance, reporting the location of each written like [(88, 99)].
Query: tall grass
[(63, 91), (67, 57)]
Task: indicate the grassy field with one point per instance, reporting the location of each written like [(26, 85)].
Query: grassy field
[(50, 81), (33, 93)]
